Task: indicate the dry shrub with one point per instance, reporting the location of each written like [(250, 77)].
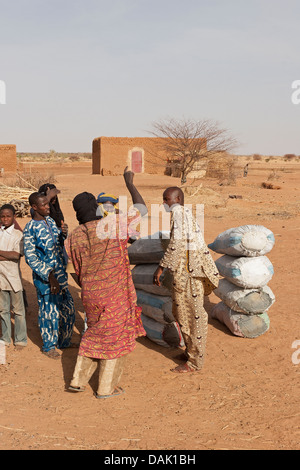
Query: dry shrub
[(232, 175), (221, 167), (16, 191), (270, 186), (289, 157), (53, 157), (273, 175), (257, 156), (32, 180), (224, 169), (203, 195)]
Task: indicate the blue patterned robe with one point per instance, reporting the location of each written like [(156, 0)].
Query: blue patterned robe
[(43, 250)]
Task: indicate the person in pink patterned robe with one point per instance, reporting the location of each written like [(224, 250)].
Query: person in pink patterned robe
[(102, 267)]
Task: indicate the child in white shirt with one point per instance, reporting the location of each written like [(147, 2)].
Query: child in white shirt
[(11, 289)]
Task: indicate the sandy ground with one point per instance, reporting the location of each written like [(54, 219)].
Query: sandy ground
[(246, 397)]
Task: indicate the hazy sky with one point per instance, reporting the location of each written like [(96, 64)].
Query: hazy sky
[(75, 70)]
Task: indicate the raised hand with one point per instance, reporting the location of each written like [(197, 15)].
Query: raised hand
[(128, 176), (51, 193)]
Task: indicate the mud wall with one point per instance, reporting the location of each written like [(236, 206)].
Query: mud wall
[(8, 158)]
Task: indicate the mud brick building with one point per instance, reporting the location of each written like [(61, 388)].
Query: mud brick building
[(8, 159), (141, 154)]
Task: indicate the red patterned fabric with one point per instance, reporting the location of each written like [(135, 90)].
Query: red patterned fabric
[(108, 294)]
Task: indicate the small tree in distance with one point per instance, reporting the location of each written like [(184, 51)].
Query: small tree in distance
[(189, 141)]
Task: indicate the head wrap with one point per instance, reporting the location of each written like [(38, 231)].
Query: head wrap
[(85, 206), (55, 210), (104, 198)]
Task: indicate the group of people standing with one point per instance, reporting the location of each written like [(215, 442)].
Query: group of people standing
[(101, 268)]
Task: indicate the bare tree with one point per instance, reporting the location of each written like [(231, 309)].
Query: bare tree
[(189, 141)]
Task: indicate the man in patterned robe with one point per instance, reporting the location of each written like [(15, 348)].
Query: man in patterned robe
[(43, 249), (98, 251), (195, 275)]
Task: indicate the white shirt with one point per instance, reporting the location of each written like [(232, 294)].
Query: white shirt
[(10, 240)]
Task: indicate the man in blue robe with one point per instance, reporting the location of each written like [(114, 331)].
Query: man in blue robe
[(43, 250)]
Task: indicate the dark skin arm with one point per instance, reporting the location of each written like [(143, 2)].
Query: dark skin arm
[(157, 275), (50, 194), (9, 255), (64, 229), (76, 278), (136, 197)]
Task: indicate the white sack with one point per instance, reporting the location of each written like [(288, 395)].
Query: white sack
[(153, 289), (150, 249), (248, 301), (142, 276), (246, 240), (168, 335), (158, 308), (246, 272), (245, 326)]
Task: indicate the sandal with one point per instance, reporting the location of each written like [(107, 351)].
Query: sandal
[(117, 391), (52, 354), (184, 368), (18, 347), (77, 389)]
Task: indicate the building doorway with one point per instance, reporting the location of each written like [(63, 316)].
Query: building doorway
[(137, 161)]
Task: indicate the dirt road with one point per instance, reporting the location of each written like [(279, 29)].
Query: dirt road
[(246, 397)]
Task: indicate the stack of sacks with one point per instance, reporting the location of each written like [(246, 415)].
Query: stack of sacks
[(245, 296), (156, 301)]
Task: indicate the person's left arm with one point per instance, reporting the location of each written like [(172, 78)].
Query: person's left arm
[(9, 255), (62, 232), (73, 264), (16, 252)]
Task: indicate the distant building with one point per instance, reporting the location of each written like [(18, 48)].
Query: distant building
[(141, 154), (8, 159)]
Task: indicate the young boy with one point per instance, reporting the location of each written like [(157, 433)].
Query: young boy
[(11, 289), (195, 275)]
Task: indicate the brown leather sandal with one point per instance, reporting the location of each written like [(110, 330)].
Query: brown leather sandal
[(184, 369)]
